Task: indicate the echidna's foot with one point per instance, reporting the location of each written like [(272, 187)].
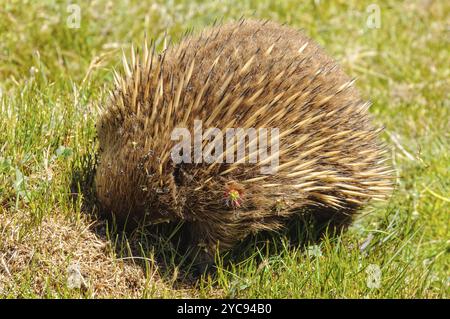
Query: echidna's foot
[(199, 251), (204, 264)]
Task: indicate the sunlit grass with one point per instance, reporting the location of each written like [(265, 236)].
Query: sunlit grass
[(51, 78)]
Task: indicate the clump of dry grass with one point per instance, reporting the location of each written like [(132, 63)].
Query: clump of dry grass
[(42, 259)]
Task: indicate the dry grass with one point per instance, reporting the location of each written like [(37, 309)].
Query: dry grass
[(43, 259)]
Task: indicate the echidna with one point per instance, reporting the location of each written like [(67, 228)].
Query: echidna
[(246, 74)]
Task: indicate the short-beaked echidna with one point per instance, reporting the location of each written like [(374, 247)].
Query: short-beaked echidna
[(247, 74)]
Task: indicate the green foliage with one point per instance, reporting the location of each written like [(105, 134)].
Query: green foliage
[(52, 77)]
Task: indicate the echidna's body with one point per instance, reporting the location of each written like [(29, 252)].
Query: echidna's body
[(246, 74)]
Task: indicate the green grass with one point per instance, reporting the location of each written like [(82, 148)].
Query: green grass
[(51, 78)]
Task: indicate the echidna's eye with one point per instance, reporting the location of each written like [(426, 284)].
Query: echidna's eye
[(178, 175)]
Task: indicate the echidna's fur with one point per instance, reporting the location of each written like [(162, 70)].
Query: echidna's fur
[(244, 74)]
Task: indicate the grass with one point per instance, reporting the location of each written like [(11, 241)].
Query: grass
[(51, 77)]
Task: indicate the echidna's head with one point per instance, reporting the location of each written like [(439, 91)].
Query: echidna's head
[(133, 178)]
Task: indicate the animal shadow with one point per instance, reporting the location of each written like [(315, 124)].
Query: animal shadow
[(163, 244)]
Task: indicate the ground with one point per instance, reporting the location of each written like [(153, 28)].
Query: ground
[(55, 68)]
